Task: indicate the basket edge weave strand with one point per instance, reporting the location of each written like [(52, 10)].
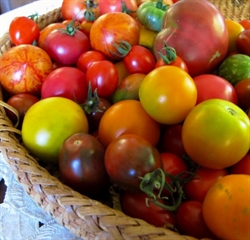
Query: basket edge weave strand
[(84, 217)]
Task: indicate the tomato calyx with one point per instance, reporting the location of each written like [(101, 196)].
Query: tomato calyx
[(89, 14), (159, 4), (123, 48), (70, 28), (156, 180), (91, 103), (169, 55), (33, 17), (125, 9)]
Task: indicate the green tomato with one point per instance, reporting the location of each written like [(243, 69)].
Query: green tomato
[(216, 134), (48, 123), (150, 14)]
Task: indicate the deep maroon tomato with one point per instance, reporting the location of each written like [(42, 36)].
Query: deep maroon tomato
[(87, 58), (134, 205), (23, 30), (243, 42), (197, 188), (242, 89), (190, 221), (241, 167), (68, 82), (135, 63), (129, 157), (81, 164), (65, 45), (95, 115), (181, 28), (103, 76), (21, 102), (171, 140), (212, 86)]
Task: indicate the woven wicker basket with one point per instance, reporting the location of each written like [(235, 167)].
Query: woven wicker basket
[(84, 217)]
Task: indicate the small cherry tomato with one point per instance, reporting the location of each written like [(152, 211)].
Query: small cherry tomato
[(23, 30)]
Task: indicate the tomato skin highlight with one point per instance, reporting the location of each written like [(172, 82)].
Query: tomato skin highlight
[(226, 207)]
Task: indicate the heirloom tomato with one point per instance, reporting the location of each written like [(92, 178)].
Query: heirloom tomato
[(134, 205), (87, 58), (209, 134), (189, 221), (212, 86), (44, 32), (182, 28), (243, 42), (135, 63), (150, 14), (103, 76), (113, 34), (48, 123), (126, 6), (65, 45), (24, 30), (127, 116), (242, 89), (21, 72), (68, 82), (86, 152), (168, 94), (226, 207), (129, 157), (197, 188), (21, 102)]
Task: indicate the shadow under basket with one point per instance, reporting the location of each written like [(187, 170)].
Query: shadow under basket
[(83, 216)]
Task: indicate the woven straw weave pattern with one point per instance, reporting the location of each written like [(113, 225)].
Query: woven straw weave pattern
[(84, 217)]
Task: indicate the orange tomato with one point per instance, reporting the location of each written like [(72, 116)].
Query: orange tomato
[(234, 29), (226, 207), (127, 116)]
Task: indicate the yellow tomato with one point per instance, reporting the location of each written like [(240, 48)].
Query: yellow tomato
[(147, 37), (234, 29)]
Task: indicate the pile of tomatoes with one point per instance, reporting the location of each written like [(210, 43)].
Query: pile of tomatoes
[(148, 97)]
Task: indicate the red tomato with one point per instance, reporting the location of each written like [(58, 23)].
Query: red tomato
[(243, 42), (129, 157), (87, 58), (124, 117), (68, 82), (173, 164), (190, 221), (135, 63), (178, 62), (245, 23), (197, 188), (86, 152), (103, 76), (21, 72), (65, 45), (171, 140), (23, 30), (242, 89), (121, 32), (134, 205), (241, 167), (180, 31), (21, 102), (212, 86), (126, 6)]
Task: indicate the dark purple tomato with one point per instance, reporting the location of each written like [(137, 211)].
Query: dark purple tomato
[(81, 164)]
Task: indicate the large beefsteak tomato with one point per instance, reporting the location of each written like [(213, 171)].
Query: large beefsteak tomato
[(190, 32)]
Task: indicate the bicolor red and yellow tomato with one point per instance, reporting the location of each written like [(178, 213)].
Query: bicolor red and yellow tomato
[(168, 94)]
